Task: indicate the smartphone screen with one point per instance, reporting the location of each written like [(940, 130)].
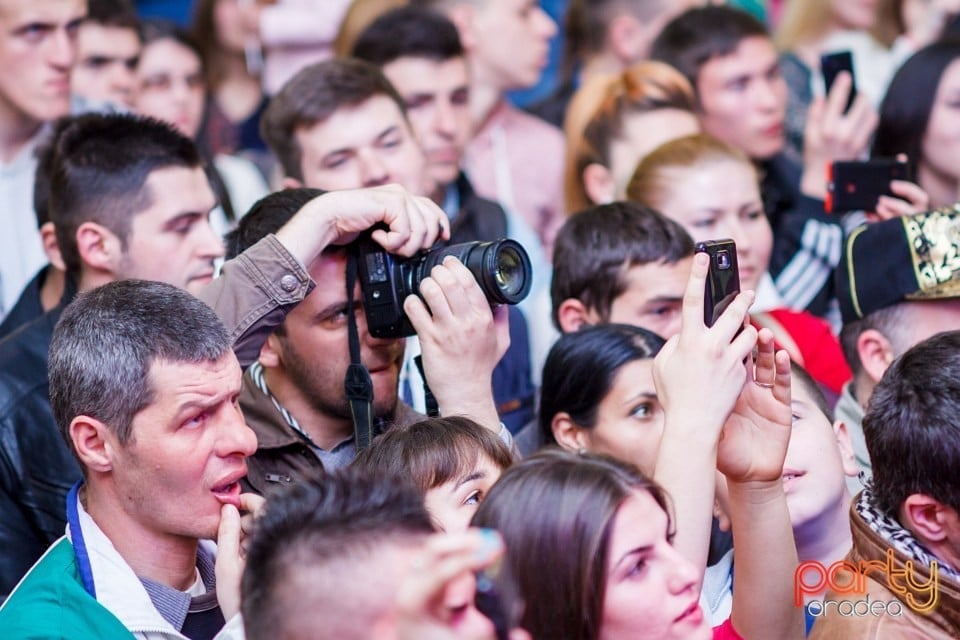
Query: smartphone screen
[(723, 278), (831, 64)]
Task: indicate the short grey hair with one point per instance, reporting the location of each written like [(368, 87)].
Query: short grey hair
[(106, 341)]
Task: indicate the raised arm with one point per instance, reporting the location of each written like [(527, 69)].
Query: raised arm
[(258, 287), (698, 374), (751, 454)]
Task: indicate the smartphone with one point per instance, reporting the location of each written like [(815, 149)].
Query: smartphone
[(831, 64), (857, 185), (723, 278)]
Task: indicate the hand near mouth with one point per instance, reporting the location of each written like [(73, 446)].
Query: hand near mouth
[(232, 537)]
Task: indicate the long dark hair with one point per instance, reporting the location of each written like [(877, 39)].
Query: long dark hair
[(581, 368), (908, 103), (156, 30), (555, 511)]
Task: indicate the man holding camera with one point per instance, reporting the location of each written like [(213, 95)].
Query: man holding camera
[(149, 221), (293, 396)]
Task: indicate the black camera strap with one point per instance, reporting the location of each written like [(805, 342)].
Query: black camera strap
[(358, 386), (433, 409)]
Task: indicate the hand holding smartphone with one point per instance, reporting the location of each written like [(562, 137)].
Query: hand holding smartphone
[(857, 185), (723, 278), (831, 64)]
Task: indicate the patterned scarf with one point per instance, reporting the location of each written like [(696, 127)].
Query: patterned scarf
[(897, 536)]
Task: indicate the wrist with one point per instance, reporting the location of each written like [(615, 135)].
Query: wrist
[(755, 492), (309, 232), (813, 182)]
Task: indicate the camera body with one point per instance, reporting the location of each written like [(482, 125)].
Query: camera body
[(502, 268)]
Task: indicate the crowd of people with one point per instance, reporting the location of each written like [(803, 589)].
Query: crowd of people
[(256, 383)]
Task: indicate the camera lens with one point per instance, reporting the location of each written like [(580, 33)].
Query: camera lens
[(723, 260), (503, 271), (502, 268), (508, 272)]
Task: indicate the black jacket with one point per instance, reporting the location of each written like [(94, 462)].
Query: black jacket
[(37, 468), (807, 241)]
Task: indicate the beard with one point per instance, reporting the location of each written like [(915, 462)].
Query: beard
[(323, 386)]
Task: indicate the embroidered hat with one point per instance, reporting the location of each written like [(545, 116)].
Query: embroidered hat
[(910, 258)]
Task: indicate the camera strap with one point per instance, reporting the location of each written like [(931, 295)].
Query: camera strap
[(358, 386), (433, 408)]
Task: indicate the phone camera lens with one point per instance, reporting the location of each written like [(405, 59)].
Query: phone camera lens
[(723, 260)]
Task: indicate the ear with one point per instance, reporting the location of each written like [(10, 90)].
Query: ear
[(94, 443), (99, 248), (723, 520), (568, 434), (875, 352), (845, 445), (462, 16), (926, 517), (573, 315), (624, 37), (48, 236), (598, 183), (270, 352), (291, 183), (721, 502)]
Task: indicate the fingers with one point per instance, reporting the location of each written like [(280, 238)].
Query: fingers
[(228, 566), (742, 346), (444, 558), (836, 100), (691, 310), (418, 314), (414, 222), (228, 533), (252, 503), (842, 136), (912, 193), (733, 317), (764, 367), (501, 322), (860, 123), (781, 385), (451, 292)]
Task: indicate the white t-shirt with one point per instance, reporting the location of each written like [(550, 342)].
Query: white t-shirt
[(21, 252)]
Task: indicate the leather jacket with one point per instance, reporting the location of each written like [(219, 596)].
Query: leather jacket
[(37, 468), (943, 621)]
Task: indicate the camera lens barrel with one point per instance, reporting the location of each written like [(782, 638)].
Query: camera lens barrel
[(502, 268)]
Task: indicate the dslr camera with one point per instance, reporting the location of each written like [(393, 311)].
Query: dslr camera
[(502, 268)]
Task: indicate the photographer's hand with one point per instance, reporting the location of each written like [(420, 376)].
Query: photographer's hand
[(462, 341), (338, 217)]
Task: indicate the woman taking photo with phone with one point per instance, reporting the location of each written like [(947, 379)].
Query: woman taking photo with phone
[(590, 539), (919, 117), (713, 191)]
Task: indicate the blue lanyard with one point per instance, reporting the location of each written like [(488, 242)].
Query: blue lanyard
[(76, 537)]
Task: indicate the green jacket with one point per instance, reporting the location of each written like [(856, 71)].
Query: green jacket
[(51, 602)]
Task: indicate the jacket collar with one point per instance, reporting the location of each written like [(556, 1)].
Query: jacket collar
[(118, 588), (274, 432), (873, 542)]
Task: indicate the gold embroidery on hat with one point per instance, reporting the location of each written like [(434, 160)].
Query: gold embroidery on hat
[(934, 239)]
